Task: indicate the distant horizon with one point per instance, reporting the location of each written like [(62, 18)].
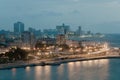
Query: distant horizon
[(84, 28), (96, 16)]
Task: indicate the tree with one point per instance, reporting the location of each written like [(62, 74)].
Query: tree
[(39, 45), (16, 54)]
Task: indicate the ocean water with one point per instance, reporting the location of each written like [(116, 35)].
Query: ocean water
[(104, 69), (112, 39)]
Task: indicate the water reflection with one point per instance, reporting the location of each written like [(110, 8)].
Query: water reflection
[(84, 70), (47, 70), (92, 69), (61, 70), (13, 71), (77, 63), (38, 72), (42, 72), (27, 69)]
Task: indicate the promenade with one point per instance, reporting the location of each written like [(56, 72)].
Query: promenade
[(56, 61)]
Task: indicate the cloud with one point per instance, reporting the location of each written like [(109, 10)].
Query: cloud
[(74, 0), (44, 14), (113, 4), (57, 11), (75, 12), (50, 13)]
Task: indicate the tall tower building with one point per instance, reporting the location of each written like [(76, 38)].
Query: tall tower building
[(18, 27), (79, 31), (63, 29)]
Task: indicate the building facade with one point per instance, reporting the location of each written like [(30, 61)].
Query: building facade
[(63, 29), (18, 27), (79, 31), (60, 40), (2, 38), (28, 39), (51, 33)]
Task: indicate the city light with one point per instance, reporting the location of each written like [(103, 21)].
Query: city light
[(26, 48)]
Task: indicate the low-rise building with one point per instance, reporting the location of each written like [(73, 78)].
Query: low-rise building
[(28, 39), (61, 39)]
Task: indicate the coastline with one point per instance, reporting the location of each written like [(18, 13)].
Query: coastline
[(52, 62)]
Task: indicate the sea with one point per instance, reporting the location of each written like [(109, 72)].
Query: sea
[(112, 39), (103, 69)]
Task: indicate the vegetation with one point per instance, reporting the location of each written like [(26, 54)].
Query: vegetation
[(13, 55), (39, 45)]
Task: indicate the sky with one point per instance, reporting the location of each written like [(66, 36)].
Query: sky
[(95, 15)]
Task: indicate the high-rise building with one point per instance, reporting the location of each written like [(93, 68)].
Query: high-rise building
[(37, 33), (18, 27), (31, 30), (63, 29), (79, 31), (2, 38), (51, 33)]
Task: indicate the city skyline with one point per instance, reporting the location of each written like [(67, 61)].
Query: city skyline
[(19, 28), (59, 39), (97, 16)]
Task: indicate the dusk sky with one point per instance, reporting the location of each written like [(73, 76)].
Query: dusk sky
[(95, 15)]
